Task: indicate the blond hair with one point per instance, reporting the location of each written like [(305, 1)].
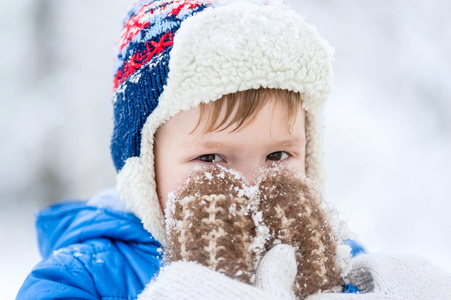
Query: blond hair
[(246, 105)]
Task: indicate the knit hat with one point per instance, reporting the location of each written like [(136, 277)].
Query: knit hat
[(174, 55)]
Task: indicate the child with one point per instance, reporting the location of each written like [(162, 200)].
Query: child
[(236, 83)]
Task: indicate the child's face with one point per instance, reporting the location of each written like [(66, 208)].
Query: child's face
[(266, 141)]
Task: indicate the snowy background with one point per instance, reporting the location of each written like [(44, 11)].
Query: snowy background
[(388, 122)]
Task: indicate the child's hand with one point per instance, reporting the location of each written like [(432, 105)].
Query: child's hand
[(209, 223), (189, 280), (276, 272), (394, 277), (221, 222), (293, 211)]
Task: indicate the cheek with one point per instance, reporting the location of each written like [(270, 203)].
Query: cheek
[(163, 167), (162, 184), (297, 164), (300, 164), (300, 167), (168, 177)]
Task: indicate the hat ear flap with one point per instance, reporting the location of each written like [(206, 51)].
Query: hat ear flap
[(136, 186)]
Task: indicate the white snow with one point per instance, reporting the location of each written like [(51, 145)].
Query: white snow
[(343, 257), (209, 176), (99, 261)]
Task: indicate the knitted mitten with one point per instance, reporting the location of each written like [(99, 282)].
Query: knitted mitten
[(219, 221), (209, 223), (292, 211)]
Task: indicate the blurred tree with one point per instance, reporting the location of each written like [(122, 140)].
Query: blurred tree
[(44, 39)]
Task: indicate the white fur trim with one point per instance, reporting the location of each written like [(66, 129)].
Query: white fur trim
[(223, 50)]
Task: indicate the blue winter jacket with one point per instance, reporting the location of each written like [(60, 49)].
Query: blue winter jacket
[(94, 250), (91, 250)]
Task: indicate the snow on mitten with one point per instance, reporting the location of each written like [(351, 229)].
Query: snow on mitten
[(217, 220), (291, 209), (208, 223)]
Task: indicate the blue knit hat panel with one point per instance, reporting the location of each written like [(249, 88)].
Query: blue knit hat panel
[(141, 68), (133, 106)]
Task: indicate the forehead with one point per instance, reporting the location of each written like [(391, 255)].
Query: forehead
[(241, 108), (271, 122)]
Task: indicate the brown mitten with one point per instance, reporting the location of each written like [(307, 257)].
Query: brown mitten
[(209, 223), (217, 220), (292, 211)]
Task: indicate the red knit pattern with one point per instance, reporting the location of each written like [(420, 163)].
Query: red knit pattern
[(139, 59), (177, 10), (135, 24), (133, 27)]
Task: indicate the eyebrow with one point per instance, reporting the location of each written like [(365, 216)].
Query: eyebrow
[(291, 142), (294, 141), (207, 145)]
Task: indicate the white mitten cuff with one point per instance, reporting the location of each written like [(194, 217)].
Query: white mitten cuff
[(189, 280), (405, 276), (394, 277)]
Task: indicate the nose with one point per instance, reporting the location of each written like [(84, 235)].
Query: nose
[(248, 169)]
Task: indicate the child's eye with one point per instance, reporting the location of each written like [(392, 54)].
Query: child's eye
[(279, 155), (210, 158)]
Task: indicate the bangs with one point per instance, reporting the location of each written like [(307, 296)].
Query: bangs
[(244, 106)]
